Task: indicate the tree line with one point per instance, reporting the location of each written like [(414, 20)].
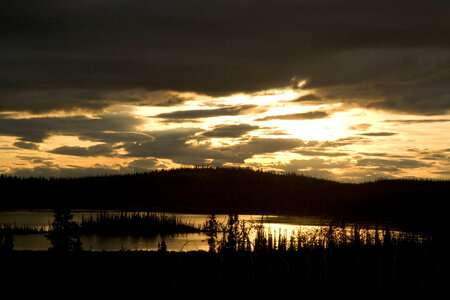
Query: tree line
[(417, 203)]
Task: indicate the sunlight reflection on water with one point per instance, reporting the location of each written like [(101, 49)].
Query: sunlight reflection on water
[(307, 230)]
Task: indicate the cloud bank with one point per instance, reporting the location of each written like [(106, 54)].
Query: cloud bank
[(60, 55)]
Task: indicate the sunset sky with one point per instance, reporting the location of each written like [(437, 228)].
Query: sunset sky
[(344, 90)]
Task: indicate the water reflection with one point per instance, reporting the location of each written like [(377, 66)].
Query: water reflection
[(292, 229)]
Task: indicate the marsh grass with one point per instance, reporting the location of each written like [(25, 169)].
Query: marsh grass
[(350, 261), (240, 235), (23, 229)]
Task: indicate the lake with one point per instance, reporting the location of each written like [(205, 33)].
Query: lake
[(276, 225)]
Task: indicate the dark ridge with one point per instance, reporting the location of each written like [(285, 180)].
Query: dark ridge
[(412, 202)]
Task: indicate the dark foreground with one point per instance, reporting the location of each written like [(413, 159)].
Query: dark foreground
[(363, 273)]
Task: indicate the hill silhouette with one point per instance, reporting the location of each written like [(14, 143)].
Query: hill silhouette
[(221, 190)]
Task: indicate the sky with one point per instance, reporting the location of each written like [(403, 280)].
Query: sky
[(345, 90)]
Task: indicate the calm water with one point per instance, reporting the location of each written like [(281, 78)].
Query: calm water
[(180, 242)]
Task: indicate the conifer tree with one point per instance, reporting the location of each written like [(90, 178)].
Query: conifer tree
[(6, 241), (64, 234), (212, 228)]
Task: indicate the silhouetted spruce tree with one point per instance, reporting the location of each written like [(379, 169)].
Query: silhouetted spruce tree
[(243, 242), (261, 237), (377, 237), (330, 237), (211, 229), (270, 242), (6, 241), (162, 247), (64, 234), (232, 232)]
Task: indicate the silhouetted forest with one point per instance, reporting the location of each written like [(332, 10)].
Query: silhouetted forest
[(417, 203), (329, 263), (134, 224)]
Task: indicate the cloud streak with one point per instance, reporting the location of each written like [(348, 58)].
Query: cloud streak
[(378, 134), (25, 145), (206, 113), (312, 115), (417, 121), (97, 150), (229, 131), (308, 97)]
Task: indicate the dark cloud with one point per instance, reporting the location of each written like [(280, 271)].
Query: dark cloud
[(436, 157), (386, 155), (33, 158), (417, 121), (177, 145), (261, 146), (320, 153), (173, 144), (391, 170), (375, 154), (145, 164), (441, 172), (378, 133), (97, 150), (360, 127), (166, 144), (117, 137), (341, 142), (230, 131), (25, 145), (391, 79), (400, 163), (180, 145), (179, 121), (108, 128), (312, 115), (187, 115), (39, 101), (63, 55), (368, 168), (317, 164)]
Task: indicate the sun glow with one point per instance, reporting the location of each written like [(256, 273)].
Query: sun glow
[(332, 138)]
